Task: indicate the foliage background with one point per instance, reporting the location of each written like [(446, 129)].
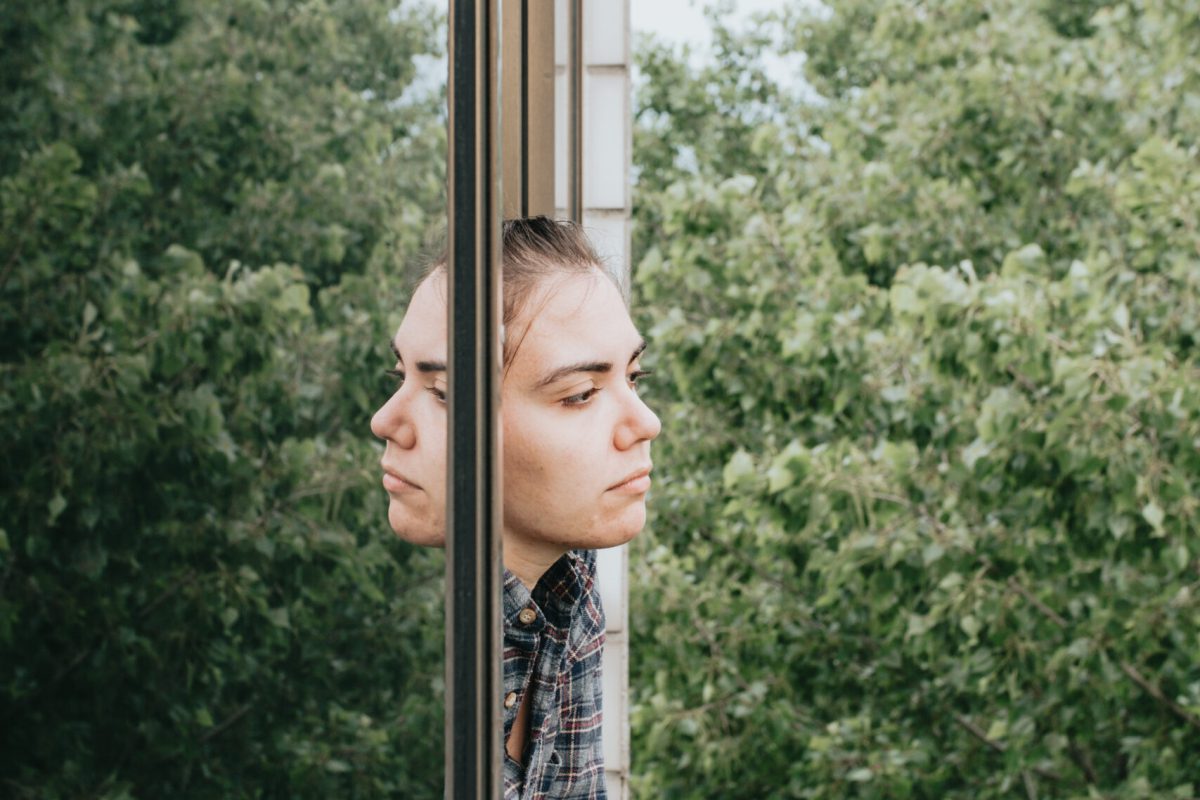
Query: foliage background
[(926, 523), (927, 356), (206, 211)]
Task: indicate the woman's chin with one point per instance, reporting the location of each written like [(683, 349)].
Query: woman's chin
[(618, 532), (632, 523), (418, 532)]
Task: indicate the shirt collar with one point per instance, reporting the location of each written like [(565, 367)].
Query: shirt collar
[(555, 595)]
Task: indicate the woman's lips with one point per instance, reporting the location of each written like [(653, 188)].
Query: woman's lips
[(639, 485), (394, 484), (636, 483)]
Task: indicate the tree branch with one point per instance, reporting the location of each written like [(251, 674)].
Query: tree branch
[(1158, 695), (1000, 747), (979, 734), (227, 723), (1046, 610)]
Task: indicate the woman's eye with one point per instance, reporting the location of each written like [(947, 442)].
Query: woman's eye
[(637, 375), (436, 392), (397, 375), (580, 399)]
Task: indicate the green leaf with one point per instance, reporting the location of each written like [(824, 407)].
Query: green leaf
[(55, 507), (860, 775), (1153, 514), (739, 467)]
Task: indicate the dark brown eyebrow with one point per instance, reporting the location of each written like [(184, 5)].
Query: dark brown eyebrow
[(422, 366), (600, 367)]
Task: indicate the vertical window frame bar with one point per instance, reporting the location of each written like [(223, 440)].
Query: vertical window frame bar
[(473, 510)]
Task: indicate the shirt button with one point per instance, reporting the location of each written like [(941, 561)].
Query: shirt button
[(510, 699), (527, 616)]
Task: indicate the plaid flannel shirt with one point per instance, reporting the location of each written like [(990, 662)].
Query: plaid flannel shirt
[(555, 655)]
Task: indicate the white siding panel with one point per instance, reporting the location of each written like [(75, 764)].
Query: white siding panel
[(560, 32), (609, 234), (616, 713), (605, 156), (604, 32), (611, 569)]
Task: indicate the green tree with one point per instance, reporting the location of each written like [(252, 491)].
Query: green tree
[(205, 210), (927, 521)]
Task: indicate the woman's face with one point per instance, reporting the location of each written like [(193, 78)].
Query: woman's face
[(412, 422), (574, 429)]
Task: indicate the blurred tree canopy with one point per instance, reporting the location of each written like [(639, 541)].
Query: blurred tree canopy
[(205, 209), (927, 341), (926, 333)]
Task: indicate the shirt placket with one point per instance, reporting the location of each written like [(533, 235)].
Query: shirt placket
[(523, 624), (544, 720)]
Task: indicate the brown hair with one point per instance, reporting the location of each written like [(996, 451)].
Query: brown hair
[(532, 250)]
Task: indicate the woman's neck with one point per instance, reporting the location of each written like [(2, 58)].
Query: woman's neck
[(529, 561)]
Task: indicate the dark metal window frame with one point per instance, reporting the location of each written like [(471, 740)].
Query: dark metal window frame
[(473, 521)]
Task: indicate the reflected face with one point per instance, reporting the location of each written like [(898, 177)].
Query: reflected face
[(576, 436), (412, 422)]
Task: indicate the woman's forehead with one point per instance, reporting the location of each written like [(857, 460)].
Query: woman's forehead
[(424, 325), (577, 318)]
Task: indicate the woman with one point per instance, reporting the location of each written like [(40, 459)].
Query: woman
[(576, 441)]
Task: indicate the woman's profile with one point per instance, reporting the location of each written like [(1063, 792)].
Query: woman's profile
[(576, 469)]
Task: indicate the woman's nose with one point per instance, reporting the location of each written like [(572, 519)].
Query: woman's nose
[(393, 422), (641, 425)]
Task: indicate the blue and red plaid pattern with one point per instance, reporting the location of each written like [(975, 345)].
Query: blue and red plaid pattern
[(556, 657)]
